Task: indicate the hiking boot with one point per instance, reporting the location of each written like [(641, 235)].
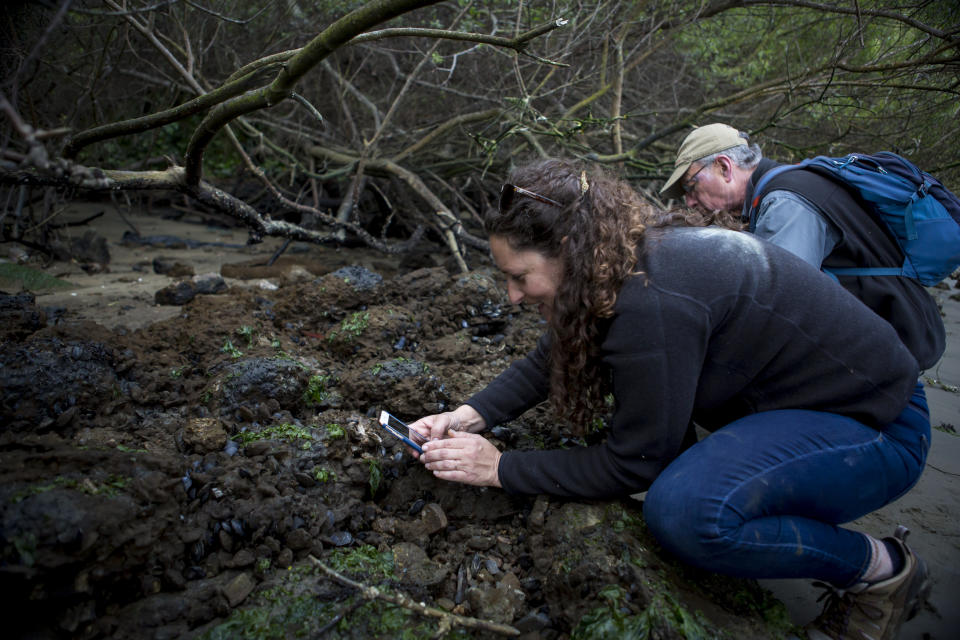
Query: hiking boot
[(875, 611)]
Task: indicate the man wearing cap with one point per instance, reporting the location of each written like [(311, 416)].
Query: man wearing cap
[(717, 170), (815, 218)]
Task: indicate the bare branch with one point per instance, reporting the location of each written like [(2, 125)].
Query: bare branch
[(402, 600), (435, 133), (38, 46), (333, 37)]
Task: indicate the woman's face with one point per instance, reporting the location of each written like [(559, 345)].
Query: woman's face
[(532, 277)]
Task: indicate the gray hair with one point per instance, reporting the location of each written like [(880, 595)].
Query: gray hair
[(746, 156)]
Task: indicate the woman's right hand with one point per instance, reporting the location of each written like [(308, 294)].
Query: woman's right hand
[(437, 426)]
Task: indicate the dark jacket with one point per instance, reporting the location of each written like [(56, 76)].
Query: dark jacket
[(723, 325), (866, 242)]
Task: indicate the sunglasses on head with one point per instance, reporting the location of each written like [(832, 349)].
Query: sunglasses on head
[(509, 191)]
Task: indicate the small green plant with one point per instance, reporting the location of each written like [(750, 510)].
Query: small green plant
[(229, 348), (283, 355), (570, 561), (316, 392), (621, 519), (283, 431), (127, 449), (26, 547), (263, 564), (113, 485), (335, 431), (614, 619), (351, 327), (376, 475), (246, 331), (365, 560), (110, 487), (322, 475), (176, 372)]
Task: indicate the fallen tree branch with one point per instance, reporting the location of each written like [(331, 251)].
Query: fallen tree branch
[(447, 224), (63, 173), (446, 618)]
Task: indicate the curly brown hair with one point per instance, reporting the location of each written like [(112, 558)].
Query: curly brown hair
[(597, 234)]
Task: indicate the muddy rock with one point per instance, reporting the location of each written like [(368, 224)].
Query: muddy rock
[(414, 388), (182, 292), (238, 589), (255, 383), (422, 283), (19, 316), (458, 347), (177, 294), (315, 305), (296, 274), (204, 435), (299, 539), (49, 375), (413, 566), (360, 278), (433, 519), (208, 283), (172, 267), (499, 602), (90, 248), (429, 521), (373, 332)]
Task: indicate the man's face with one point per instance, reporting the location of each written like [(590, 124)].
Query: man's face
[(711, 187)]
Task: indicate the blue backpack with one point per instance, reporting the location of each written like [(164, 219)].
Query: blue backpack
[(922, 214)]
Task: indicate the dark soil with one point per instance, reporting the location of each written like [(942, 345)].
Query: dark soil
[(183, 479)]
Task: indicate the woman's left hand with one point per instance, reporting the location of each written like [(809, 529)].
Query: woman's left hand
[(463, 457)]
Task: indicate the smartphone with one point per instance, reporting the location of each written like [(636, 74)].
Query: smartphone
[(397, 428)]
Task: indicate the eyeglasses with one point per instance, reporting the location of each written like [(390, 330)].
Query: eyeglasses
[(509, 191), (691, 182)]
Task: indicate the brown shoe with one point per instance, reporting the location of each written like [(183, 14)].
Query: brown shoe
[(875, 611)]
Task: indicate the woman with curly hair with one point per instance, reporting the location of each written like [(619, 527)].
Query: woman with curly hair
[(810, 398)]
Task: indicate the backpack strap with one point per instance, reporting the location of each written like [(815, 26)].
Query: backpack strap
[(910, 226), (758, 191), (865, 271)]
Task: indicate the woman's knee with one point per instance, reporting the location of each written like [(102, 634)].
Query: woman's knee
[(681, 521)]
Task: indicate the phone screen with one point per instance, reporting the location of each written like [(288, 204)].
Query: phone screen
[(398, 429)]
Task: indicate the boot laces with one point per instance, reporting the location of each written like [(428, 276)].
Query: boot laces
[(838, 610)]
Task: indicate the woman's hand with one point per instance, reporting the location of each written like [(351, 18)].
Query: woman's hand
[(435, 427), (463, 457)]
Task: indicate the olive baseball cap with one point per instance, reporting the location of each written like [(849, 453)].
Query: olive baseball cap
[(700, 143)]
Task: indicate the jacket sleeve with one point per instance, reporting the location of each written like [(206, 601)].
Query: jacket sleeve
[(655, 350), (524, 384)]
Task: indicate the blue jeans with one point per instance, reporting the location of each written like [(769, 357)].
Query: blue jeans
[(762, 497)]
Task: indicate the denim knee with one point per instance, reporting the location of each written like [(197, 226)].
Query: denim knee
[(680, 520)]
